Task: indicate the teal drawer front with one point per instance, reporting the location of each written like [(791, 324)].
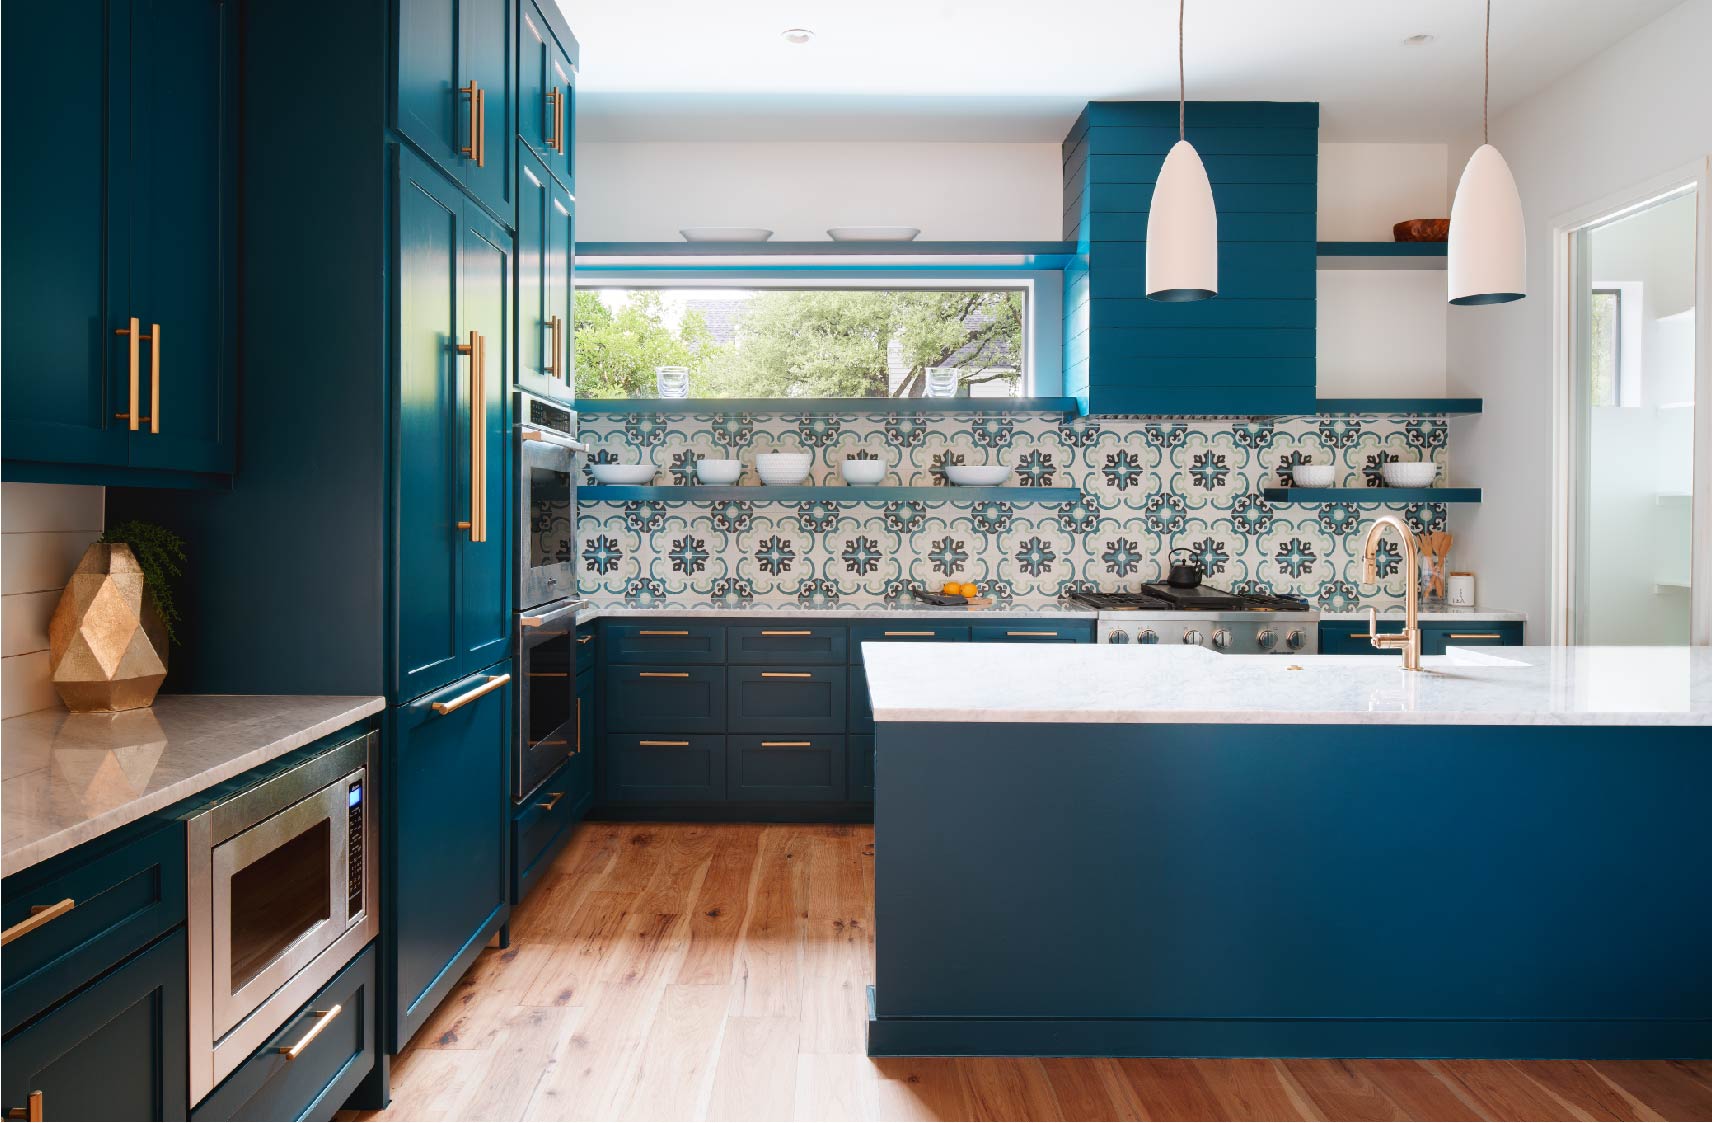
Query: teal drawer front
[(1435, 637), (1034, 631), (1350, 637), (785, 767), (905, 631), (665, 642), (542, 825), (787, 643), (588, 646), (664, 698), (664, 769), (120, 900), (860, 751), (798, 699), (312, 1085)]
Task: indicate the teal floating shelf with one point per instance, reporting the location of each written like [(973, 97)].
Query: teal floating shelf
[(823, 493), (1381, 255), (1371, 494), (823, 406), (1398, 406)]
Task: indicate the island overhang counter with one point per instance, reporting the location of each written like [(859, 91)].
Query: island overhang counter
[(1170, 852)]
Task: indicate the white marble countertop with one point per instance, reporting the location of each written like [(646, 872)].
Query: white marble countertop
[(1392, 615), (913, 611), (1567, 686), (67, 778)]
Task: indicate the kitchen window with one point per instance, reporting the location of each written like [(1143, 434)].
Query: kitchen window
[(827, 340)]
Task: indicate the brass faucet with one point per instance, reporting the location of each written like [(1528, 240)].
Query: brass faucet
[(1409, 640)]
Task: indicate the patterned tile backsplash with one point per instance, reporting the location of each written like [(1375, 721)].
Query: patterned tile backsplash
[(1148, 486)]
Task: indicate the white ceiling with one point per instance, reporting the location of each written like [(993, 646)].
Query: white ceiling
[(1021, 69)]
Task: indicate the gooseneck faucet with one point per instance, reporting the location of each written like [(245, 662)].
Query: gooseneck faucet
[(1409, 640)]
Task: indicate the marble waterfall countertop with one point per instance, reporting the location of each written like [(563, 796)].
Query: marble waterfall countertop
[(1565, 686), (67, 778)]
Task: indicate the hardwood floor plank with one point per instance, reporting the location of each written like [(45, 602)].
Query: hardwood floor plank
[(756, 1077), (717, 912), (1254, 1089), (1674, 1089), (591, 1064), (673, 1076), (1170, 1089), (919, 1088), (835, 1087), (1421, 1092), (516, 1061), (1090, 1088), (1341, 1089), (1580, 1085), (769, 948), (581, 950), (1492, 1087), (1001, 1088)]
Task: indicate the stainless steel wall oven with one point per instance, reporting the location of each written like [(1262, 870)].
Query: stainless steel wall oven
[(547, 451)]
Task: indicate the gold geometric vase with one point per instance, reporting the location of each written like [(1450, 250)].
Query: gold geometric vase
[(106, 641)]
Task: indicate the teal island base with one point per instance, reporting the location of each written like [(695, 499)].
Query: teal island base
[(1321, 890)]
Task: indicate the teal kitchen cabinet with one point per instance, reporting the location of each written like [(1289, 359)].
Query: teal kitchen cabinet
[(860, 751), (663, 698), (545, 235), (1351, 637), (675, 768), (452, 265), (116, 1050), (454, 93), (542, 825), (1034, 631), (790, 768), (664, 641), (119, 307), (546, 88), (446, 861), (786, 698), (788, 642)]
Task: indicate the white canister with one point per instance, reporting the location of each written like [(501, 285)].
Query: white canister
[(1459, 590)]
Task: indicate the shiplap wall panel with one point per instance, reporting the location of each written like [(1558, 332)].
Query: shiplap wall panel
[(47, 527)]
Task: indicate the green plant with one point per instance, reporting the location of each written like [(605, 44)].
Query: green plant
[(159, 551)]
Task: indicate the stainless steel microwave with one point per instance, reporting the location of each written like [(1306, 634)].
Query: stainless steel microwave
[(547, 451)]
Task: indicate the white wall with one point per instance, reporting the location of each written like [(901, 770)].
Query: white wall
[(46, 529), (1640, 109)]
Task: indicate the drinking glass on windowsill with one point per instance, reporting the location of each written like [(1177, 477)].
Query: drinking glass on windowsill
[(672, 382), (942, 382)]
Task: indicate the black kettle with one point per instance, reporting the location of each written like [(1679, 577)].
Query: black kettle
[(1184, 574)]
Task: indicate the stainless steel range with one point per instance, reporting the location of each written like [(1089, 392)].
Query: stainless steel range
[(1235, 623)]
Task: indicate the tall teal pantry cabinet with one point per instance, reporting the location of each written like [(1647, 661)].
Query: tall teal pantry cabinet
[(365, 543)]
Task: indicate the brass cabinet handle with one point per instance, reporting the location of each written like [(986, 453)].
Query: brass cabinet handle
[(476, 349), (664, 744), (473, 148), (39, 915), (786, 674), (646, 632), (134, 415), (549, 804), (32, 1112), (556, 112), (579, 747), (910, 633), (1053, 634), (549, 674), (493, 683), (799, 632), (584, 639), (323, 1019), (787, 744), (481, 115), (1476, 635), (662, 674), (551, 366)]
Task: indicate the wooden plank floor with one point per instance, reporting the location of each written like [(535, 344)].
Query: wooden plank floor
[(669, 971)]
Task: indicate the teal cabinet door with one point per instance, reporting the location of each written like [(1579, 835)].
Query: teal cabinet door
[(485, 52), (669, 769), (544, 240), (546, 92), (115, 1051), (433, 446), (454, 92), (183, 264), (447, 855), (484, 611)]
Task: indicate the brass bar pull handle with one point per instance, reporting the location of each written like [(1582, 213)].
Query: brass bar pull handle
[(479, 405), (645, 632), (154, 378), (493, 683), (1051, 634), (551, 366), (781, 632), (1475, 635), (39, 915), (664, 744), (549, 804), (531, 621), (554, 122), (787, 744), (32, 1112), (579, 747), (662, 674), (473, 148), (549, 674), (910, 633), (135, 415), (786, 674), (584, 639), (475, 349), (481, 127), (323, 1019)]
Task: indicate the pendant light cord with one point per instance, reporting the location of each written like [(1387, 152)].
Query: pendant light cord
[(1486, 92), (1181, 93)]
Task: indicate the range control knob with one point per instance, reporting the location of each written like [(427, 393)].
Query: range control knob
[(1267, 639), (1193, 637), (1147, 635), (1295, 639), (1221, 638), (1118, 635)]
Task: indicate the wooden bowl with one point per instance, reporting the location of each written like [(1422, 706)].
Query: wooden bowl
[(1422, 230)]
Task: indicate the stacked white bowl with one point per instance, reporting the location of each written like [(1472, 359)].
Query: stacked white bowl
[(783, 468), (711, 471), (1398, 473), (1313, 475), (623, 473), (862, 471)]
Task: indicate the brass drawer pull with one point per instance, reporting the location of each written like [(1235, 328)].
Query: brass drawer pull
[(584, 639), (137, 336), (664, 744), (476, 349), (549, 804), (799, 632), (549, 674), (579, 747), (786, 674), (33, 1112), (493, 683), (662, 674), (473, 92), (39, 915), (323, 1019), (911, 633), (646, 632), (787, 744), (1476, 635), (1051, 634), (556, 116)]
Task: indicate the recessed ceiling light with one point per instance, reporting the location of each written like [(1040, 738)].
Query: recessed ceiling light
[(1419, 40), (798, 35)]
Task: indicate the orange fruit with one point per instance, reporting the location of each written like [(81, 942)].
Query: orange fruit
[(952, 589), (970, 591)]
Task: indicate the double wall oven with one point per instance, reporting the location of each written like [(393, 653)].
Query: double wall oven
[(547, 602)]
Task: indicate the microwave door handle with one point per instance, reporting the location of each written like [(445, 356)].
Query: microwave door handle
[(542, 436)]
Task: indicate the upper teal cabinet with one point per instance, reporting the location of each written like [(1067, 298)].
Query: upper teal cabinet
[(119, 311), (455, 92), (546, 88), (1251, 348), (545, 234)]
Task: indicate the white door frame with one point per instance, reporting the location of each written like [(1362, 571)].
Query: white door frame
[(1695, 177)]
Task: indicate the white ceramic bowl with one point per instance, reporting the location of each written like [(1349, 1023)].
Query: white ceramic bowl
[(862, 471), (1313, 475), (725, 234), (623, 473), (977, 475), (873, 233), (783, 468), (1419, 474), (711, 471)]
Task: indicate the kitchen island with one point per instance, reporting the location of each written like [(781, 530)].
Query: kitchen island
[(1163, 851)]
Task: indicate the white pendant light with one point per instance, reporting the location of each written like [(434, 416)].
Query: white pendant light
[(1488, 253), (1182, 224)]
